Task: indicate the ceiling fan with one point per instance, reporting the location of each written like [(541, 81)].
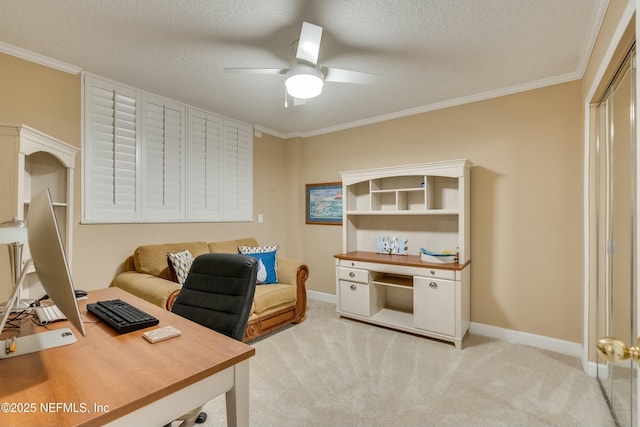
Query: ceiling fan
[(305, 78)]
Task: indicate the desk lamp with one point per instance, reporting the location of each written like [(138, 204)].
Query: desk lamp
[(14, 233)]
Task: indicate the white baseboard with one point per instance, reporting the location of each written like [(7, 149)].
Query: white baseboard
[(540, 341), (547, 343), (321, 296), (600, 370)]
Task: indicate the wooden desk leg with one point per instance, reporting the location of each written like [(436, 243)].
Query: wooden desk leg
[(238, 397)]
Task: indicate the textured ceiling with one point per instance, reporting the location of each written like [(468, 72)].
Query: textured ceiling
[(429, 53)]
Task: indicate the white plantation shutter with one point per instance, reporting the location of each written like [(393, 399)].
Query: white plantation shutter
[(111, 140), (163, 159), (205, 166), (146, 160), (237, 181)]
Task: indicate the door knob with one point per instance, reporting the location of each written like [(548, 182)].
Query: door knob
[(615, 350)]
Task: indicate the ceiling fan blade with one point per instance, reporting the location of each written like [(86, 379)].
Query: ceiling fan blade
[(273, 71), (348, 76), (309, 43)]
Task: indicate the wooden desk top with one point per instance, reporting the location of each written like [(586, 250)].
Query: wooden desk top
[(404, 260), (121, 372)]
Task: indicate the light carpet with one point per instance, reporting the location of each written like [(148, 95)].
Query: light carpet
[(329, 371)]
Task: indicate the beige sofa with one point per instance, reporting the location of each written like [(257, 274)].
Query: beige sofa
[(147, 275)]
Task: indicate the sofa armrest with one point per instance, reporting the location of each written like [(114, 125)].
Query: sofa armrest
[(294, 272), (156, 290)]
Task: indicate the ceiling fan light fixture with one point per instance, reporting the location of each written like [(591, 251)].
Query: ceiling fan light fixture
[(305, 84)]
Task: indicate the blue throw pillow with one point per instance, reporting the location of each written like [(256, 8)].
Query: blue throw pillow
[(269, 261), (268, 256)]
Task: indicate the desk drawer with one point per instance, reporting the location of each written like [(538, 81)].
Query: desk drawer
[(354, 298), (435, 272), (353, 274), (440, 274)]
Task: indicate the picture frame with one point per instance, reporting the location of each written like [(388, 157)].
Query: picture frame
[(323, 203)]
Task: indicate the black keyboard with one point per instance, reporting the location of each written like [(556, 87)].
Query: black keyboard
[(122, 316)]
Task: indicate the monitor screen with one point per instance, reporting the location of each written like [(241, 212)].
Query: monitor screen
[(49, 258)]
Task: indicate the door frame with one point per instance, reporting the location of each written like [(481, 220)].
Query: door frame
[(616, 50), (626, 33)]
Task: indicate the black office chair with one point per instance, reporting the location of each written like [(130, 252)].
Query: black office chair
[(218, 293)]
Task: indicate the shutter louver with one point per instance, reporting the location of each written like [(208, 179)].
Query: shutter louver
[(111, 133), (237, 174), (205, 166), (163, 162)]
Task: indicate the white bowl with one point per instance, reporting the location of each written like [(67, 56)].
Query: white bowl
[(438, 259)]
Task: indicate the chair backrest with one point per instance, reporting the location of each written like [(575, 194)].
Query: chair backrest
[(218, 292)]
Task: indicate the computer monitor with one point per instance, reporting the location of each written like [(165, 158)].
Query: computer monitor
[(50, 261)]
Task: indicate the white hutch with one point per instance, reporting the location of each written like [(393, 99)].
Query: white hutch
[(31, 161), (428, 206)]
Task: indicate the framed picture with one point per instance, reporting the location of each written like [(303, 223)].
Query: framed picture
[(324, 203)]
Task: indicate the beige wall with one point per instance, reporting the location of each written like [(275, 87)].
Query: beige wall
[(45, 99), (40, 97), (526, 202)]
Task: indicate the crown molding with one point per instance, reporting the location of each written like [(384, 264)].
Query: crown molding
[(38, 59), (592, 36), (564, 78), (272, 132)]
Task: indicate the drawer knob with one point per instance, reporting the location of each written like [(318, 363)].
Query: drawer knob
[(433, 272), (353, 264), (353, 287), (352, 274), (433, 285)]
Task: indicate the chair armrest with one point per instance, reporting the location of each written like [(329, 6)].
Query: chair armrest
[(156, 290), (294, 272)]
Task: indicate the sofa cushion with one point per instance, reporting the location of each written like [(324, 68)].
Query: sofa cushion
[(152, 259), (270, 296), (179, 265), (147, 287), (231, 246)]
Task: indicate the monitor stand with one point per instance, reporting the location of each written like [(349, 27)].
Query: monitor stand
[(37, 342)]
